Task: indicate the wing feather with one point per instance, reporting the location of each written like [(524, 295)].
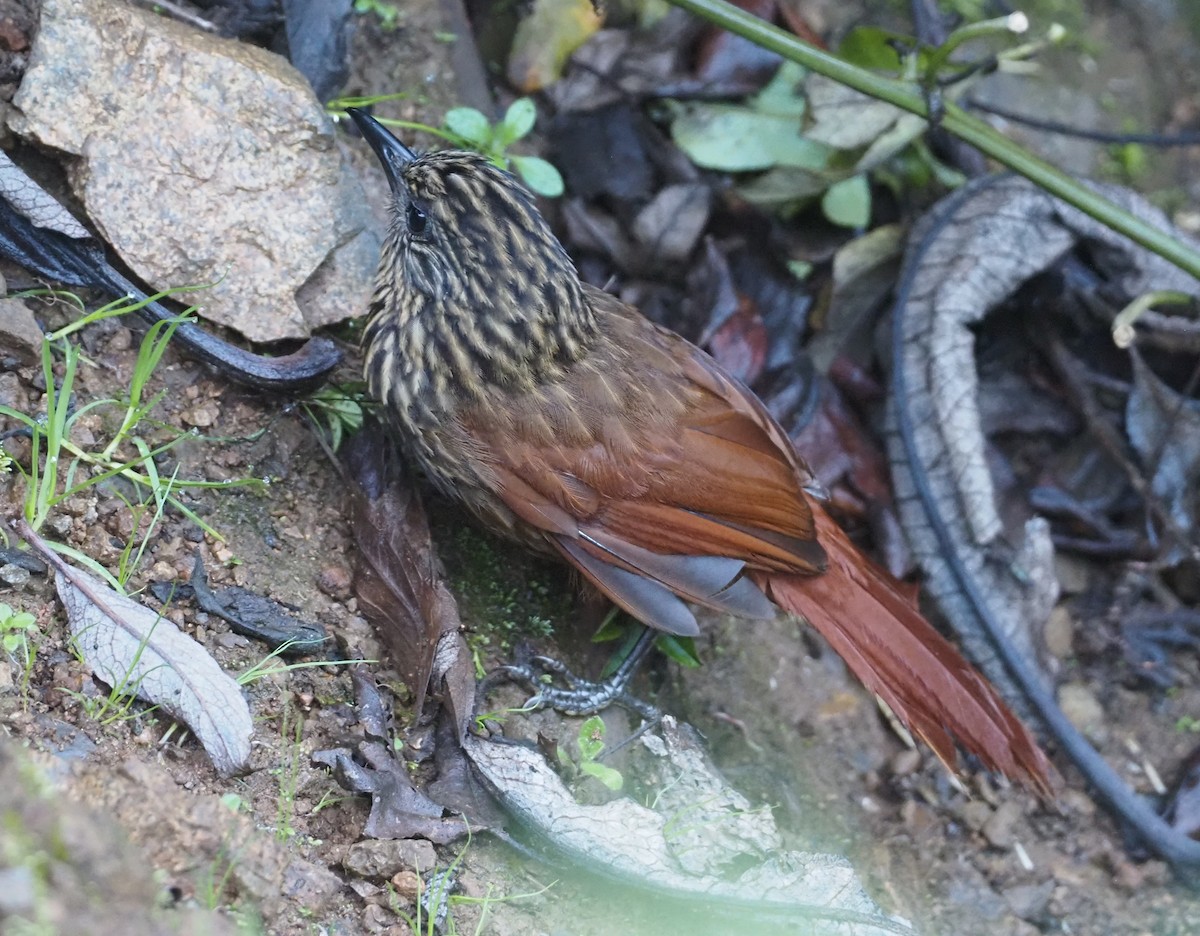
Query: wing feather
[(682, 481)]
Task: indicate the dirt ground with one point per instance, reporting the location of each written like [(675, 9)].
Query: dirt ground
[(123, 825)]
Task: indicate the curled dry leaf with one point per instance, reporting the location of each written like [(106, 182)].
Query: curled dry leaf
[(969, 255), (128, 645), (399, 583), (398, 809), (972, 252)]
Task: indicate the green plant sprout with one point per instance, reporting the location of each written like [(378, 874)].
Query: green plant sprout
[(267, 666), (18, 638), (292, 734), (468, 128), (591, 743), (15, 628), (388, 13), (481, 719), (212, 882), (337, 409), (619, 626), (59, 468)]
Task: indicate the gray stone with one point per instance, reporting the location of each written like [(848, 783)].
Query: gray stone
[(1029, 901), (13, 574), (999, 828), (20, 336), (383, 859), (202, 159)]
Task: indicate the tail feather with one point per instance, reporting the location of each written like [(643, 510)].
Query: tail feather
[(860, 609)]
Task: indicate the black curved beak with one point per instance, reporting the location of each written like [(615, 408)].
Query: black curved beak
[(391, 152)]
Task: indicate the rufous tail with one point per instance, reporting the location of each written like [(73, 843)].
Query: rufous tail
[(897, 654)]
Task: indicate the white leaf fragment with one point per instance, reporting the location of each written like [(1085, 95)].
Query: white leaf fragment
[(129, 646)]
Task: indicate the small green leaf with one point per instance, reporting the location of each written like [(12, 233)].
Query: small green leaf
[(680, 649), (469, 124), (736, 139), (539, 175), (232, 802), (874, 48), (591, 738), (783, 96), (801, 269), (784, 187), (607, 775), (518, 121), (848, 203)]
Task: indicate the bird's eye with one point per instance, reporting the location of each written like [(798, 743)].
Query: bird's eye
[(416, 219)]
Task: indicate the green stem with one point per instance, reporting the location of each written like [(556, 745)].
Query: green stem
[(1006, 25), (954, 119)]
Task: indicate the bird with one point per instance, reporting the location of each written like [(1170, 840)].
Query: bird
[(567, 422)]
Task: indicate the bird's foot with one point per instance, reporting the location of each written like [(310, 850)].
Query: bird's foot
[(576, 695)]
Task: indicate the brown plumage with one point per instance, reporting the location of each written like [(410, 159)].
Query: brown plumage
[(564, 419)]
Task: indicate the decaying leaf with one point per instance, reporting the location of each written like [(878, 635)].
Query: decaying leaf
[(1164, 428), (129, 646), (257, 616), (398, 809), (864, 270), (671, 224), (546, 38), (34, 202), (399, 582), (723, 56), (844, 118), (739, 342), (246, 613)]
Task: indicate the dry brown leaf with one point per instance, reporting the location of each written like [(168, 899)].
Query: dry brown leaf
[(399, 583)]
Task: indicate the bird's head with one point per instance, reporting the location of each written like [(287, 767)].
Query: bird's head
[(468, 251)]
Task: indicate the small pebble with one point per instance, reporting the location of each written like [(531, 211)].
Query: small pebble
[(1059, 633), (998, 829), (906, 762), (1029, 901), (407, 884), (334, 580), (18, 890), (1084, 710), (974, 814), (376, 919), (13, 574)]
